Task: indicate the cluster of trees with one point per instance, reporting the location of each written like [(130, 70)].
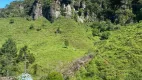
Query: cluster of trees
[(9, 58), (118, 11), (102, 29)]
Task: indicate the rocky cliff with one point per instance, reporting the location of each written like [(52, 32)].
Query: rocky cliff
[(36, 9), (57, 8)]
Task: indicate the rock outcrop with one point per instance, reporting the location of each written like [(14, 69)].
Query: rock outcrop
[(55, 11), (77, 65), (36, 9), (57, 8), (68, 11)]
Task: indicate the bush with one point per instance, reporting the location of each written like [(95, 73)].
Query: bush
[(139, 26), (58, 31), (11, 21), (117, 27), (31, 27), (38, 29), (28, 18), (103, 26), (105, 35), (66, 44), (30, 58), (95, 32), (35, 68)]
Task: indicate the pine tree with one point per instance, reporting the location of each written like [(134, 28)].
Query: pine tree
[(8, 54)]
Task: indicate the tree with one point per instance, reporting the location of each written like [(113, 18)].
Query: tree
[(105, 35), (8, 54), (25, 55)]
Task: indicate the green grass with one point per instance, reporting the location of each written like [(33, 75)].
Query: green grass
[(118, 58), (47, 46)]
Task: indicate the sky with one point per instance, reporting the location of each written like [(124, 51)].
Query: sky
[(3, 3)]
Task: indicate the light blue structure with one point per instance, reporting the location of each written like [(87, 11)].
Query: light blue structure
[(25, 76)]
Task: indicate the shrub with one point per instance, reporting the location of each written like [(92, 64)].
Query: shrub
[(95, 32), (139, 26), (105, 35), (117, 27), (31, 27), (28, 18), (58, 31), (103, 26), (30, 58), (11, 21), (66, 44), (43, 25), (35, 68), (38, 29)]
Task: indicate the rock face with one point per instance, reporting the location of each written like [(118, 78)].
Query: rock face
[(80, 19), (68, 11), (37, 10), (77, 65), (57, 8), (55, 11), (83, 5)]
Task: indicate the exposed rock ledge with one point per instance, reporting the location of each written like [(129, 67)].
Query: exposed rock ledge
[(77, 65)]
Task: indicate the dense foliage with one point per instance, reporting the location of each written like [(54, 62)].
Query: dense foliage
[(8, 54), (118, 11), (9, 58)]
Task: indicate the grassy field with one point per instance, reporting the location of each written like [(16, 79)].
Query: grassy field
[(47, 46), (115, 58)]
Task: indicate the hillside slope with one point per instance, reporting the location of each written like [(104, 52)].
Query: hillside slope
[(46, 45), (118, 58)]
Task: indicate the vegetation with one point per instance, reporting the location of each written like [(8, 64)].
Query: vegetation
[(119, 12), (112, 35), (7, 58), (46, 46), (118, 57)]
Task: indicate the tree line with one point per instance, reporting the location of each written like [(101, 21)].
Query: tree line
[(118, 11), (10, 57)]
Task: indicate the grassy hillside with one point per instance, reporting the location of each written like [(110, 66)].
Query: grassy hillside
[(118, 58), (48, 47)]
